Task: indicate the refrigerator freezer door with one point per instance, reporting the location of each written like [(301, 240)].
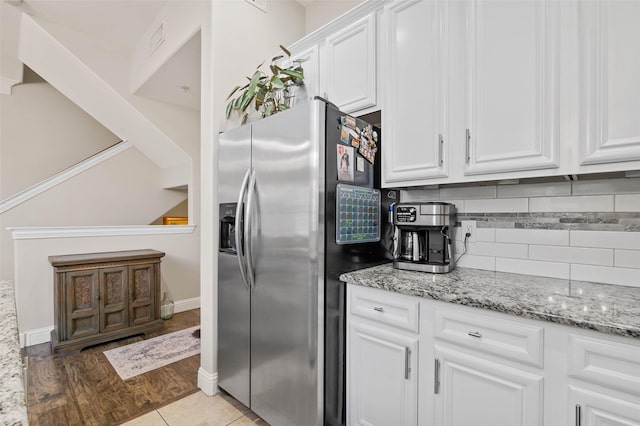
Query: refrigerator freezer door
[(287, 247), (234, 304)]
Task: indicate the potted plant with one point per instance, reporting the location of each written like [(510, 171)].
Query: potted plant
[(268, 94)]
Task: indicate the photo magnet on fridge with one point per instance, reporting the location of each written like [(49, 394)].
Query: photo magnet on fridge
[(348, 121), (346, 158), (344, 135), (360, 164)]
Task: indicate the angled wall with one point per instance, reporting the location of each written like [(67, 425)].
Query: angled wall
[(52, 60), (42, 133)]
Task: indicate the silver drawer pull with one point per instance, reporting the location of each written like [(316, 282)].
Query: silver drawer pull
[(474, 334), (378, 308)]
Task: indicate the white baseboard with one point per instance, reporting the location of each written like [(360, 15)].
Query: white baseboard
[(207, 382), (43, 335), (36, 336), (186, 304)]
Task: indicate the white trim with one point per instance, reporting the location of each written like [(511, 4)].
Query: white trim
[(187, 304), (207, 382), (32, 233), (35, 336), (6, 84), (64, 175)]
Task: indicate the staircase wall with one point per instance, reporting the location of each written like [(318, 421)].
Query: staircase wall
[(51, 57), (124, 190), (42, 133)]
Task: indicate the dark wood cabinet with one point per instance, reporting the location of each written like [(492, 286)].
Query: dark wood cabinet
[(105, 296)]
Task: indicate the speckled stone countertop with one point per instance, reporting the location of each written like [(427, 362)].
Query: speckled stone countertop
[(607, 308), (13, 410)]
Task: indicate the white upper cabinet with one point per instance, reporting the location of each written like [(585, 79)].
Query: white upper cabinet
[(351, 65), (609, 76), (415, 98), (511, 74), (310, 61)]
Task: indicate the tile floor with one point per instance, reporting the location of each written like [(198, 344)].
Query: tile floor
[(201, 410)]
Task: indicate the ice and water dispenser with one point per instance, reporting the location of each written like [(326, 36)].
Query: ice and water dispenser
[(228, 227)]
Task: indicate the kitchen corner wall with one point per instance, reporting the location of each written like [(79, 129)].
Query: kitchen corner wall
[(587, 230)]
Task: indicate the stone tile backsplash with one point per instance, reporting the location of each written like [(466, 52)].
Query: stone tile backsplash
[(584, 230)]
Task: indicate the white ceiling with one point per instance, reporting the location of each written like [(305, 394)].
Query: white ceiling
[(178, 81)]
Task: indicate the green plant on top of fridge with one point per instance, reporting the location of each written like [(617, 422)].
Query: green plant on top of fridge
[(268, 94)]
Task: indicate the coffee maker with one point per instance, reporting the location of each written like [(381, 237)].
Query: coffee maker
[(422, 236)]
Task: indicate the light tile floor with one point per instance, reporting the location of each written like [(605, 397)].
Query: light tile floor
[(201, 410)]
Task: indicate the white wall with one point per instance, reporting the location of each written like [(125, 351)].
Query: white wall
[(179, 210), (321, 12), (42, 133), (179, 124), (63, 57), (124, 190), (34, 274), (181, 21), (10, 66), (244, 37)]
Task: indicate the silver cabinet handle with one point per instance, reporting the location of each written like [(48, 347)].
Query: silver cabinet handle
[(240, 230), (378, 308), (407, 369), (578, 415), (474, 334), (436, 377), (467, 153), (440, 149)]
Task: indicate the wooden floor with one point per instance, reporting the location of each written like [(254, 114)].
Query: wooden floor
[(83, 389)]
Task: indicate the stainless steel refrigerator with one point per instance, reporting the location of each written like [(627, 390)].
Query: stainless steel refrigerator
[(283, 244)]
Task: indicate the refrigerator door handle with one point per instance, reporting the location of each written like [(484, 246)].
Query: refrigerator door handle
[(248, 231), (239, 233)]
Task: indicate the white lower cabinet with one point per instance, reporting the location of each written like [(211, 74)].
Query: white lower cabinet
[(382, 358), (481, 368), (589, 408), (382, 376), (474, 391)]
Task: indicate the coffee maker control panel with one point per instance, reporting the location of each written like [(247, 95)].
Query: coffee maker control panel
[(406, 214)]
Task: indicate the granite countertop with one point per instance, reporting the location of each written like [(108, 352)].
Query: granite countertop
[(13, 409), (607, 308)]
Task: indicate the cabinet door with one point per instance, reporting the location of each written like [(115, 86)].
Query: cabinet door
[(142, 294), (310, 61), (382, 377), (475, 391), (609, 84), (82, 293), (351, 65), (595, 409), (114, 299), (512, 97), (416, 93)]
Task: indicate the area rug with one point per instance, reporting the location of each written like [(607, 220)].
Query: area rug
[(147, 355)]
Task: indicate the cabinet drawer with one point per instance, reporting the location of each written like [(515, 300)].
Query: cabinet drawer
[(605, 362), (385, 307), (488, 333)]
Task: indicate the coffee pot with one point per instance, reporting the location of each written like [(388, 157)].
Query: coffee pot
[(422, 238)]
